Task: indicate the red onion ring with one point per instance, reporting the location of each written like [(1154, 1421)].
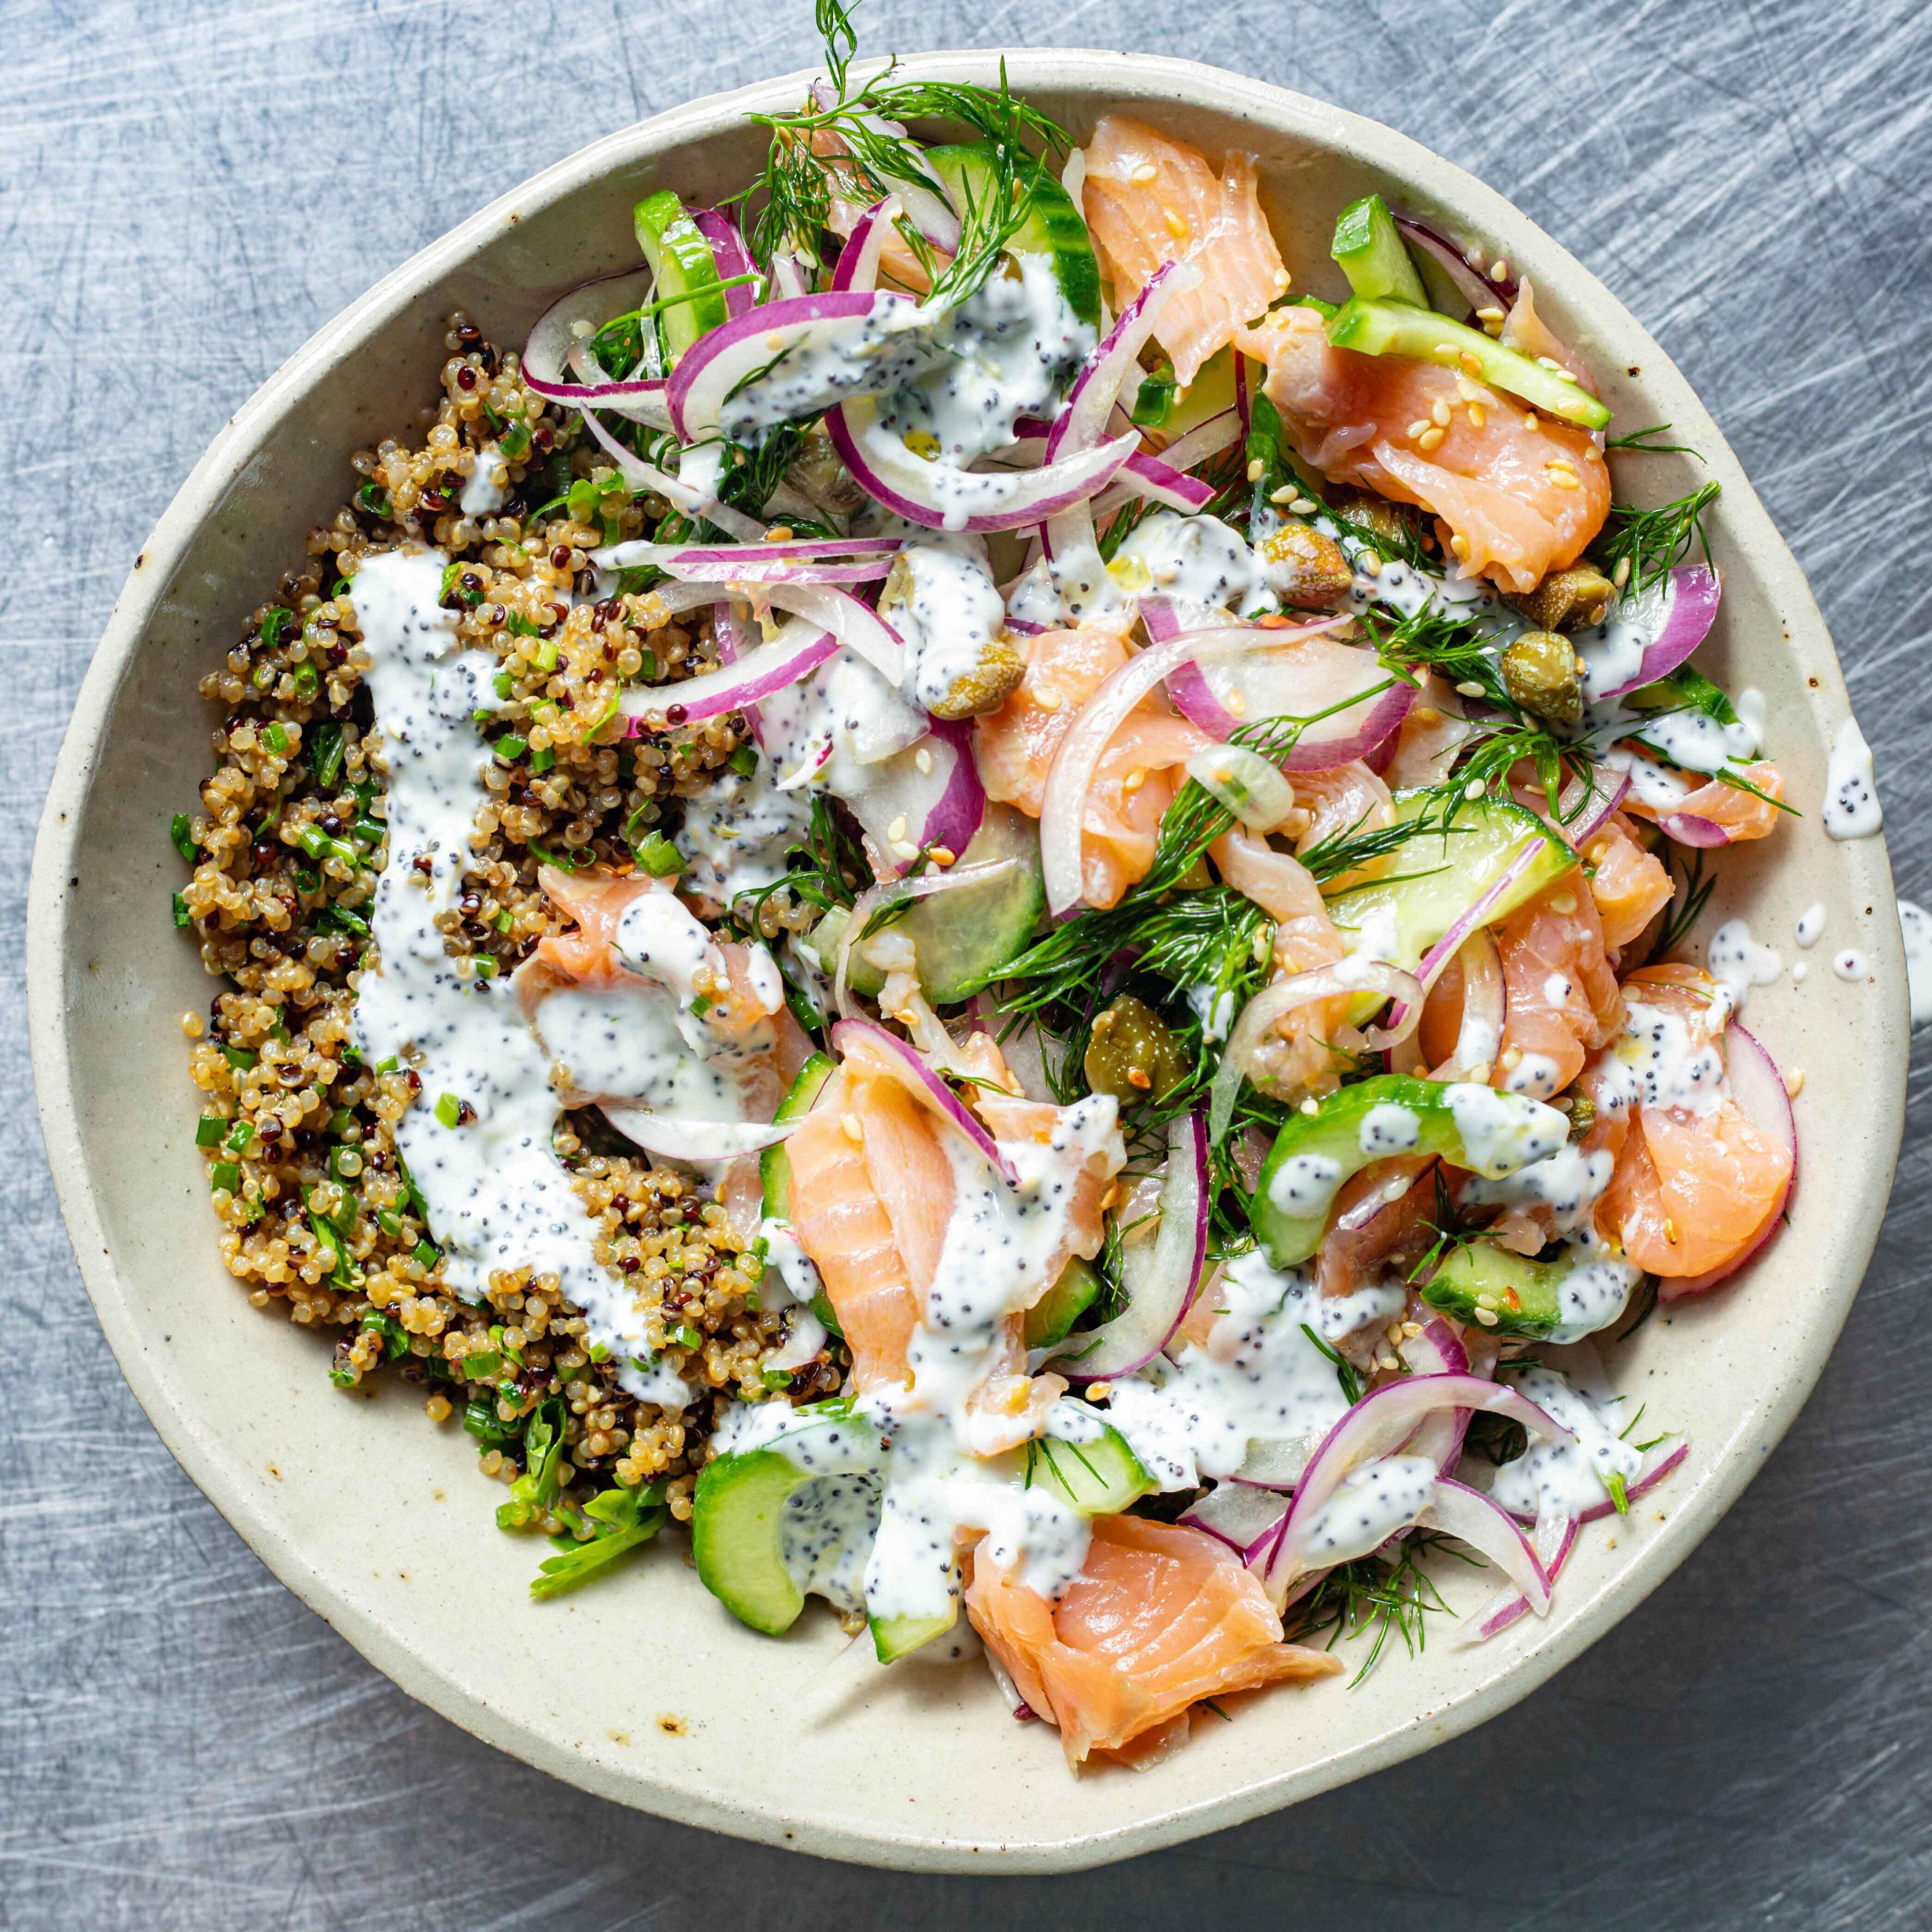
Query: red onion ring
[(924, 1085)]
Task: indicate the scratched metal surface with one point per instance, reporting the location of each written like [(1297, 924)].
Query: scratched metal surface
[(187, 190)]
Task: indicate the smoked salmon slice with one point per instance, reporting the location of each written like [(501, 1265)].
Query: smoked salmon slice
[(1516, 495), (1563, 998), (1160, 1617), (1135, 782), (1631, 886), (1740, 813), (1148, 200)]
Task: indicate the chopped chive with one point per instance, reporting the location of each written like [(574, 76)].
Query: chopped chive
[(181, 829), (242, 1058), (541, 761), (449, 1110), (518, 626), (482, 1362), (514, 441), (685, 1335), (504, 920), (182, 915), (324, 753), (276, 737), (390, 1221), (243, 1132), (775, 1378), (659, 856), (224, 1176), (318, 844), (483, 965), (308, 681), (272, 626), (547, 656), (371, 498), (427, 1254), (209, 1129), (391, 1065), (511, 747)]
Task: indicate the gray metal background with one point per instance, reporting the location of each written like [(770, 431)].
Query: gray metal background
[(188, 188)]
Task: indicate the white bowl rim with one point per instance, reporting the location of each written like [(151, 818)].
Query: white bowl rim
[(186, 1435)]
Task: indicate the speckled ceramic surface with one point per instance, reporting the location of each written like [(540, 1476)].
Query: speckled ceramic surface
[(643, 1689)]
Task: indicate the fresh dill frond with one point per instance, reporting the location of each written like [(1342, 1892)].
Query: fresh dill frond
[(1686, 909), (1652, 542), (867, 121), (1639, 443), (1353, 848), (1373, 1594), (1449, 1229), (833, 869), (1345, 1371), (1458, 649)]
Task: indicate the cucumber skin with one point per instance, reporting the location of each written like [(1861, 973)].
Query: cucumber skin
[(718, 1538), (1481, 1267), (1375, 328), (1369, 248), (774, 1165), (677, 251), (895, 1637), (1063, 1304), (1056, 227), (1057, 1469), (1291, 1239)]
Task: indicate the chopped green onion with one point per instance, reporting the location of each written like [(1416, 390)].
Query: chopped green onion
[(482, 1362), (341, 1121), (518, 626), (390, 1221), (276, 738), (272, 625), (449, 1110), (427, 1254), (181, 829), (371, 498), (242, 1058), (505, 920), (511, 747), (324, 753), (224, 1177), (209, 1129), (514, 441), (308, 681), (744, 760), (242, 1133), (685, 1335), (182, 915), (547, 656), (483, 965), (318, 844)]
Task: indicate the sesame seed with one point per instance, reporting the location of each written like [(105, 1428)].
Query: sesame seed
[(943, 855), (852, 1128), (1469, 688), (1621, 575), (1410, 1330), (1486, 1300), (1417, 428), (1564, 479), (1794, 1082), (896, 830), (1512, 1057), (1487, 1316), (1459, 544), (1670, 1231), (1489, 315), (1427, 714), (1285, 494), (1473, 790), (1098, 1391), (1468, 360), (1257, 469), (1237, 704), (775, 338), (1438, 412), (922, 760), (905, 850), (1529, 419), (1477, 419), (1134, 780), (1430, 439), (1369, 564), (1176, 227), (1311, 1105), (1302, 505), (1145, 173), (1499, 272), (1563, 905), (1281, 278), (1048, 697)]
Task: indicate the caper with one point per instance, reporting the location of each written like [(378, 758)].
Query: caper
[(994, 677), (1133, 1055), (1304, 569), (1583, 1112), (1570, 600), (1376, 514), (1541, 673)]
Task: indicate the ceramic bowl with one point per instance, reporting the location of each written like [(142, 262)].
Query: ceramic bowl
[(642, 1689)]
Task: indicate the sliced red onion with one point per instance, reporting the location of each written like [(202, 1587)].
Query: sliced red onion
[(682, 1138), (1070, 777), (858, 265), (720, 363), (858, 560), (1351, 978), (1690, 828), (797, 651), (643, 475), (1438, 1350), (1485, 1011), (1478, 290), (732, 257), (1355, 706), (1689, 597), (1160, 1277), (554, 346), (734, 642), (1582, 806), (1154, 478), (924, 1085), (1378, 1425), (1238, 1513), (1204, 440), (1555, 1539), (1455, 1510), (1477, 915), (942, 805), (1759, 1089)]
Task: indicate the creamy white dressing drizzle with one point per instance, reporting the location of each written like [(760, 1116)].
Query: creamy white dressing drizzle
[(1667, 1067), (1564, 1479), (736, 831), (1811, 925), (829, 727), (1371, 1503), (942, 601), (1916, 925), (1259, 1380), (1206, 567), (486, 488), (1851, 793), (1737, 959), (1851, 965), (498, 1197)]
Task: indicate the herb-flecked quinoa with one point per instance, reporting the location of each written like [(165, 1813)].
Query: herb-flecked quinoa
[(317, 1213)]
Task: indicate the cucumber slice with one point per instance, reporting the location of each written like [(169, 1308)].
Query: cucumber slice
[(1472, 1127), (774, 1165), (1382, 328), (963, 937), (1521, 1294), (1063, 1304), (1055, 226), (737, 1528), (895, 1637), (1369, 248), (683, 261), (1160, 405), (1100, 1477), (1438, 876)]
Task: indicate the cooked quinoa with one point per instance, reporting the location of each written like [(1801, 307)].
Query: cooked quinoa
[(317, 1216)]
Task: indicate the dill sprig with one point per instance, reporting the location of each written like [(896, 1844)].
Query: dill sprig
[(1639, 442), (798, 185), (1372, 1593), (1652, 542), (833, 869), (1685, 910)]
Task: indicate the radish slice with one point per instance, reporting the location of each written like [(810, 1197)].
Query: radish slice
[(681, 1138), (1161, 1277), (554, 346), (1346, 978), (732, 257), (1238, 1512), (924, 1085), (1378, 1425), (1479, 290), (732, 379), (1470, 1517), (1759, 1089), (797, 651), (941, 806), (1070, 777), (1354, 705), (1682, 609)]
